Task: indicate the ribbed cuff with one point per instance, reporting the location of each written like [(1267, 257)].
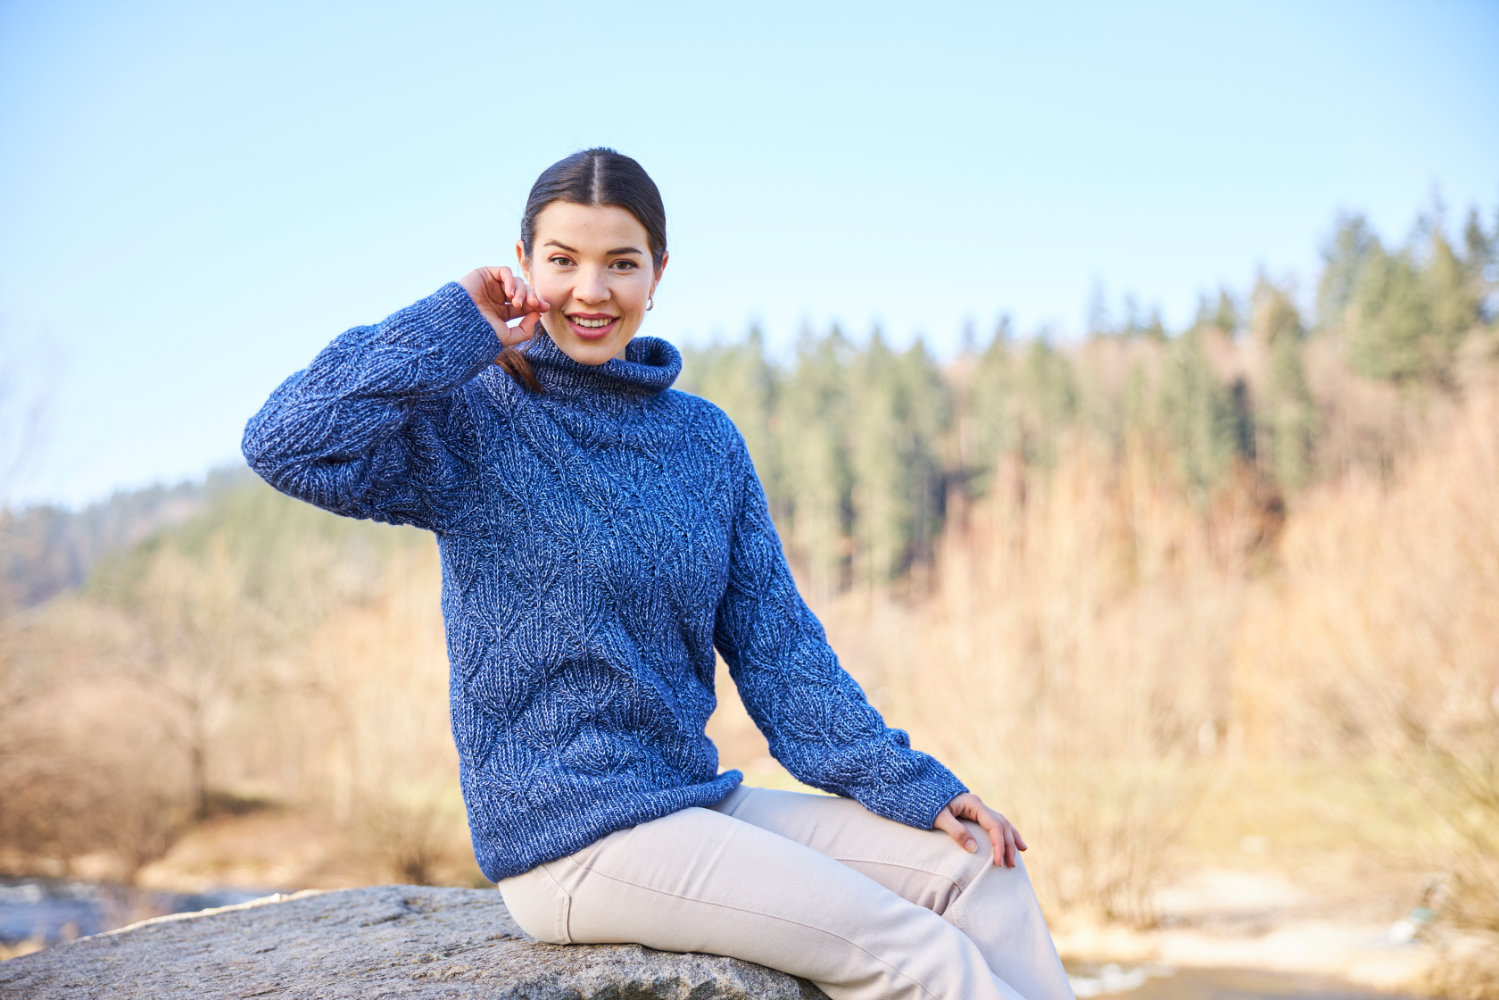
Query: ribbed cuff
[(923, 797), (454, 339)]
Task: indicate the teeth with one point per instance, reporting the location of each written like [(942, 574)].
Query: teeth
[(593, 324)]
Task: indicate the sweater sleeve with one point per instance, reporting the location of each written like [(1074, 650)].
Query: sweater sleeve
[(373, 427), (814, 715)]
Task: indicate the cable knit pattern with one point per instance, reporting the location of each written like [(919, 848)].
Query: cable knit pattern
[(598, 542)]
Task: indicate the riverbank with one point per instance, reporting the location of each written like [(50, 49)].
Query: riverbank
[(1305, 927)]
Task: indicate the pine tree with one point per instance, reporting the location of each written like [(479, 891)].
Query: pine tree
[(1287, 416), (1226, 315), (928, 416), (1344, 257), (880, 504), (812, 443), (1197, 413), (1391, 324), (1292, 417), (1204, 314), (1100, 323), (1479, 247), (1134, 318), (1481, 263), (1047, 394), (992, 425), (1155, 327), (1453, 295)]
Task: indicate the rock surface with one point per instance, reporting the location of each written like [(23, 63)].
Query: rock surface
[(388, 942)]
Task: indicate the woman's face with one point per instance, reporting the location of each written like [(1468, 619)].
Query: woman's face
[(592, 263)]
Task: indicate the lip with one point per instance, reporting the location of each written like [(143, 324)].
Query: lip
[(591, 333)]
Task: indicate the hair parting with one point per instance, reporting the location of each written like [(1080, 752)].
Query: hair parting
[(597, 176)]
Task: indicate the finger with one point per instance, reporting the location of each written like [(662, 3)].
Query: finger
[(527, 325), (527, 297), (1019, 841), (534, 301), (994, 827), (950, 824), (506, 281), (494, 291)]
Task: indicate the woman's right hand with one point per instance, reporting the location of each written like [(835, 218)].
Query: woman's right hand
[(501, 297), (1006, 839)]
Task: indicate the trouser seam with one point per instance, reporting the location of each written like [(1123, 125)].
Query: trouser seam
[(955, 912), (741, 909), (567, 904), (957, 884)]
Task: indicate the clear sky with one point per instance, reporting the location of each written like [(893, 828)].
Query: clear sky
[(194, 197)]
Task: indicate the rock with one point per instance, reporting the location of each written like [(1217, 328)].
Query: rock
[(388, 942)]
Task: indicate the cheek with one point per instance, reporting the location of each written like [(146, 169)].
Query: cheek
[(636, 293), (551, 289)]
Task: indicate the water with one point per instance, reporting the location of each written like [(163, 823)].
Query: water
[(52, 911), (1160, 982)]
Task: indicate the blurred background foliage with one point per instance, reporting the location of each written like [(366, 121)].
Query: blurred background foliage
[(1119, 584)]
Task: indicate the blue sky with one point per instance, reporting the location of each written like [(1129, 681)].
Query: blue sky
[(195, 197)]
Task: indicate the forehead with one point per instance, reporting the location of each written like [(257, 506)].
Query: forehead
[(590, 227)]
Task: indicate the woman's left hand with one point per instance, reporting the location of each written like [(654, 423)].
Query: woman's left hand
[(1002, 833)]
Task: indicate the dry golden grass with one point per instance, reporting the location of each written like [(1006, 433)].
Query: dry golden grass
[(1381, 637)]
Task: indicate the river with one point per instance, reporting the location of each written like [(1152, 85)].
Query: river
[(1156, 982), (54, 911)]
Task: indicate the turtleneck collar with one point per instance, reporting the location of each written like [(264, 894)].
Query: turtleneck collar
[(650, 365)]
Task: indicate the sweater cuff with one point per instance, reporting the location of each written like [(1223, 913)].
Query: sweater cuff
[(935, 788), (448, 328)]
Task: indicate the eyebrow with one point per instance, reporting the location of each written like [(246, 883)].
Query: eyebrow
[(609, 253)]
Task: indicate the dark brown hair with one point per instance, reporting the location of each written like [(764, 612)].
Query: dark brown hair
[(597, 176)]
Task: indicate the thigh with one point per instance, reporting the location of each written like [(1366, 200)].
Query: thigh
[(926, 867), (701, 880), (995, 907)]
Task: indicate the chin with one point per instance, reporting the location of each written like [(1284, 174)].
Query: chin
[(588, 352)]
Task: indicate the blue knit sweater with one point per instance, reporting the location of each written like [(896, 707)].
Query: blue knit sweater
[(598, 542)]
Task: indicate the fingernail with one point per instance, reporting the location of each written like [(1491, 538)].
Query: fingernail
[(972, 847)]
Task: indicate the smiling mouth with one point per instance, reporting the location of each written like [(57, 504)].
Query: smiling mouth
[(592, 327)]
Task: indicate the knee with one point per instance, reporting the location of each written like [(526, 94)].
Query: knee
[(971, 863)]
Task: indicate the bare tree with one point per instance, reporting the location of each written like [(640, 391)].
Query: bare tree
[(23, 396)]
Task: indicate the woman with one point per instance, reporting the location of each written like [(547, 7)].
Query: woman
[(601, 536)]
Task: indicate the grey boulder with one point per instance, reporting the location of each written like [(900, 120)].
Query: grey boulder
[(386, 942)]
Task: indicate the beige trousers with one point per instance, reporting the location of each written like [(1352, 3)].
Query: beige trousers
[(812, 885)]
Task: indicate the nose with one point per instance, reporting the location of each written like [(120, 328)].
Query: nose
[(590, 286)]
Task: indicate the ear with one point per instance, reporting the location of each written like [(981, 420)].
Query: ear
[(660, 271), (520, 258)]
